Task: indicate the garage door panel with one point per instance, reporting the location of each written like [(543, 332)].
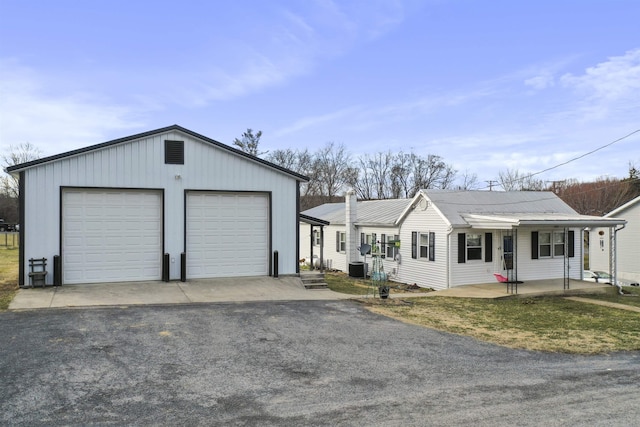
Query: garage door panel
[(227, 234), (111, 235)]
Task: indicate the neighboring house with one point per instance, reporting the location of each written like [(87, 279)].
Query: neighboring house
[(453, 238), (627, 263), (162, 205)]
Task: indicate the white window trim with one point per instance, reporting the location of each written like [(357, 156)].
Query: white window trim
[(426, 245), (394, 249), (552, 244), (481, 247)]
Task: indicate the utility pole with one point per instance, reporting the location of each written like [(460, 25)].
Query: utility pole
[(491, 182)]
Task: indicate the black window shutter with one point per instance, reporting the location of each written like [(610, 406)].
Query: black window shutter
[(432, 246), (414, 244), (361, 238), (488, 247), (572, 243), (462, 248), (337, 241), (534, 245)]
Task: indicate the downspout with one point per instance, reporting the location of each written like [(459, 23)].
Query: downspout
[(614, 273), (351, 203)]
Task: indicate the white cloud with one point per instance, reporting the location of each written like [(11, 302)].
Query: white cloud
[(608, 90), (293, 45), (312, 121), (541, 81), (32, 112), (617, 78)]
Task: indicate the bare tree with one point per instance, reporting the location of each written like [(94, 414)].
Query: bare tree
[(514, 180), (332, 170), (401, 176), (373, 180), (599, 197), (10, 184), (469, 181), (249, 143), (297, 161), (19, 154)]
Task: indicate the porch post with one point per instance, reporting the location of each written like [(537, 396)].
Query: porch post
[(311, 247), (567, 260), (322, 248)]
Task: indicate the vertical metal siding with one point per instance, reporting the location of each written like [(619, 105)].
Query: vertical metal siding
[(140, 164)]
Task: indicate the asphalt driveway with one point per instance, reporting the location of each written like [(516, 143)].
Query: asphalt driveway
[(290, 363)]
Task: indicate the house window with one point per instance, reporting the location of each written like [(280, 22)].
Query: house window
[(474, 246), (390, 249), (551, 244), (544, 244), (316, 238), (558, 244), (341, 241), (424, 245), (369, 239)]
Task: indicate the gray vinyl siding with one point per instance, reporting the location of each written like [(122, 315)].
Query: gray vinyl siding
[(140, 164)]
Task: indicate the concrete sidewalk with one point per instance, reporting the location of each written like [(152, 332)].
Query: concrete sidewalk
[(239, 289), (245, 289)]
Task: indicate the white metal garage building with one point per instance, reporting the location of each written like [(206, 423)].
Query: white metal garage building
[(163, 205)]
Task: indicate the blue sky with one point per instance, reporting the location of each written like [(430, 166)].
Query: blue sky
[(485, 84)]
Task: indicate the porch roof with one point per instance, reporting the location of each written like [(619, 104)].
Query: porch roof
[(313, 221), (508, 221)]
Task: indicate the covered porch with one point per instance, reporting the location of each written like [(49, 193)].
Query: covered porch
[(316, 234), (560, 236)]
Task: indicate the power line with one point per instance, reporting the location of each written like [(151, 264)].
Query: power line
[(575, 158)]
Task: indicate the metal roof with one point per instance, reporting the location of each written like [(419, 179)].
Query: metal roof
[(368, 212), (504, 209), (479, 209), (17, 168)]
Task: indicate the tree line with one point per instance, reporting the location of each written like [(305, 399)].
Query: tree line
[(384, 175)]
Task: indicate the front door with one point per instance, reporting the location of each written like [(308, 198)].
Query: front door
[(507, 253)]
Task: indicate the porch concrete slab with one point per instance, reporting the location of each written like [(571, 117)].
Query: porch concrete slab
[(531, 288), (237, 289)]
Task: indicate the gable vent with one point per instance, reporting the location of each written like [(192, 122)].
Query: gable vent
[(174, 152)]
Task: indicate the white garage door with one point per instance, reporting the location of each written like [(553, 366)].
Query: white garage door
[(111, 235), (227, 234)]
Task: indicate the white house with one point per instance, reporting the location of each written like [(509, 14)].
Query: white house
[(452, 238), (626, 265), (162, 205), (352, 224)]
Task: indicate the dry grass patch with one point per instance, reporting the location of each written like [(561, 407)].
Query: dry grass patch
[(8, 275), (544, 324), (343, 283)]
